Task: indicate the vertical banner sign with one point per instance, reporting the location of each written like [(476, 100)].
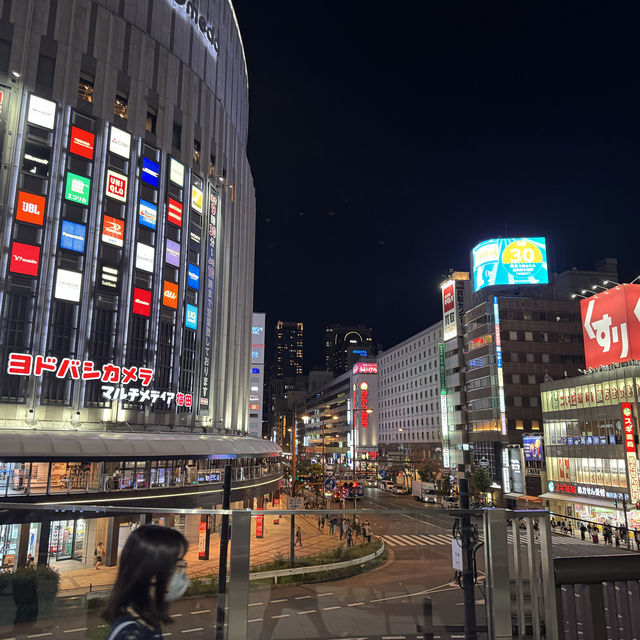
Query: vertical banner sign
[(503, 410), (208, 307), (630, 447), (203, 539), (259, 526), (444, 421)]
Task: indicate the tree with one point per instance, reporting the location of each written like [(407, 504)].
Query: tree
[(482, 480), (428, 471)]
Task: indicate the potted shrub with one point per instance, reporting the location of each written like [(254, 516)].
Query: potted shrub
[(48, 583), (25, 594), (7, 606)]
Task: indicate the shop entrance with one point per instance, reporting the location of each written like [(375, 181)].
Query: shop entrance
[(67, 539)]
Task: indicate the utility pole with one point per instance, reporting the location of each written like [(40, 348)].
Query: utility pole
[(626, 522), (468, 587), (292, 541), (224, 545)]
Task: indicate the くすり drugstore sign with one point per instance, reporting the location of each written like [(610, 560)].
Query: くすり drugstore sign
[(630, 446)]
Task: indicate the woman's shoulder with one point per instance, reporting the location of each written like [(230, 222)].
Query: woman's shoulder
[(128, 628)]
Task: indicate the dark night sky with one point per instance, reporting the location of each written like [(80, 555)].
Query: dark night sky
[(387, 138)]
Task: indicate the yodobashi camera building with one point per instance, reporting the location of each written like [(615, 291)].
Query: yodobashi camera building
[(127, 209)]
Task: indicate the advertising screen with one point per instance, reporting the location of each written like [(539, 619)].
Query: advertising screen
[(532, 448), (30, 208), (509, 261), (120, 143), (141, 302), (72, 236), (68, 285), (116, 186), (81, 143), (113, 231), (109, 277), (144, 257), (41, 112), (196, 199), (191, 317), (147, 214), (172, 255), (611, 326), (77, 189), (176, 172), (170, 295), (150, 172), (25, 259), (193, 276), (174, 212)]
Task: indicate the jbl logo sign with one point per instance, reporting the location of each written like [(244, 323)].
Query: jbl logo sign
[(30, 208)]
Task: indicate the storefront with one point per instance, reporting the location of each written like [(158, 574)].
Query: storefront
[(67, 539)]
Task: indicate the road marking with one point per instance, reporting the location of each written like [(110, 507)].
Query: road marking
[(41, 635), (394, 637), (175, 615), (192, 630), (166, 634), (255, 604), (255, 620), (75, 630), (281, 600), (319, 595), (331, 608), (304, 613), (282, 615), (196, 613), (355, 604), (302, 597)]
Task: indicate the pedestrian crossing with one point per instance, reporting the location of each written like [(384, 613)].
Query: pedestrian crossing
[(437, 539)]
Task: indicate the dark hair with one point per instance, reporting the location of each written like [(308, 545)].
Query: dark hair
[(148, 559)]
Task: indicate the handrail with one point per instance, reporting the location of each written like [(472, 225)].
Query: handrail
[(596, 569)]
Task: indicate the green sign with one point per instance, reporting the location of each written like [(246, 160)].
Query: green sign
[(443, 373), (77, 188)]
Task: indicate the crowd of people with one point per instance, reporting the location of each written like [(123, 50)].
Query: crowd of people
[(591, 531), (346, 529)]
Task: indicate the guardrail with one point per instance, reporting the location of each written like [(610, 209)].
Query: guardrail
[(279, 573)]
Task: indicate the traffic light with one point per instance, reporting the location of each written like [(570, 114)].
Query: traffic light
[(615, 504)]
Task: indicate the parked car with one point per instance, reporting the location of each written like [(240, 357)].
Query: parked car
[(449, 502), (398, 490), (386, 485), (371, 482)]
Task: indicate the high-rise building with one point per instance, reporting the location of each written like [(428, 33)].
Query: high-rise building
[(344, 345), (256, 375), (288, 346)]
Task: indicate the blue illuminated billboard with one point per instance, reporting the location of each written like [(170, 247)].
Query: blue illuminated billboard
[(147, 214), (72, 236), (193, 276), (509, 261), (532, 448), (191, 317), (150, 172)]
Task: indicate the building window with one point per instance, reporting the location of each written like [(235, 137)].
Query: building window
[(152, 118), (85, 88), (530, 357), (176, 138), (535, 425), (533, 401), (517, 401), (513, 335), (516, 378), (196, 151), (532, 380), (212, 166), (121, 106), (546, 358), (528, 336), (519, 424)]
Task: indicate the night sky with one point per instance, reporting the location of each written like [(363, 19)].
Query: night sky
[(387, 138)]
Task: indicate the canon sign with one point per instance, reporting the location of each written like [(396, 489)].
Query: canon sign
[(611, 326), (199, 21)]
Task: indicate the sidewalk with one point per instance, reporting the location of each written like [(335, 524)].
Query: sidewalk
[(75, 581)]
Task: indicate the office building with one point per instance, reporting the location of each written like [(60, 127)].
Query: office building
[(344, 345), (288, 347), (256, 375)]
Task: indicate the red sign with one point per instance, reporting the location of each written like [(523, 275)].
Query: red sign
[(364, 404), (141, 302), (627, 425), (630, 444), (30, 208), (611, 326), (116, 186), (202, 541), (365, 367), (170, 295), (448, 299), (25, 258), (175, 212), (82, 143), (113, 231), (259, 526)]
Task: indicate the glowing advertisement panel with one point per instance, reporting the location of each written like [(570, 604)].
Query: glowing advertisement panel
[(41, 112), (532, 446), (116, 186), (176, 172), (509, 261), (191, 317), (30, 208), (113, 231), (503, 410), (77, 189), (147, 214), (72, 236), (145, 255), (174, 212), (120, 143), (170, 295), (81, 143), (193, 276), (68, 285), (150, 172), (172, 255), (25, 259), (444, 420), (196, 198), (141, 302), (630, 447)]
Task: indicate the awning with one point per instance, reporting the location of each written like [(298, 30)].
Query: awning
[(23, 445), (594, 502), (514, 496)]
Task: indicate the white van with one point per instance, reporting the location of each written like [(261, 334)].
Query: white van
[(386, 485)]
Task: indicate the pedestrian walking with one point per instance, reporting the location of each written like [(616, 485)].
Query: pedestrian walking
[(636, 535), (341, 528), (623, 533), (583, 531), (151, 574), (349, 537), (332, 525), (617, 539), (324, 518), (570, 530), (30, 562), (298, 536), (594, 534), (589, 529), (98, 554), (319, 523)]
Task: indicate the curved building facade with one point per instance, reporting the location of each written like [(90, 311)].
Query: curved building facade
[(127, 215)]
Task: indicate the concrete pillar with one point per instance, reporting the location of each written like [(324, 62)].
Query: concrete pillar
[(146, 518), (112, 526), (43, 543), (90, 541), (23, 544)]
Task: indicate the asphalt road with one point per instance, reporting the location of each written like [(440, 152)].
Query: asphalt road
[(383, 604)]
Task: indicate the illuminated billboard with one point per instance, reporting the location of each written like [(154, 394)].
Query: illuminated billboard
[(41, 112), (509, 261), (68, 285), (196, 198), (141, 302), (116, 186), (77, 188), (170, 295), (25, 259), (113, 231), (120, 143), (172, 254), (193, 276), (150, 172), (174, 212), (72, 236), (147, 214), (145, 255), (176, 172), (532, 448), (30, 208), (191, 317), (81, 143)]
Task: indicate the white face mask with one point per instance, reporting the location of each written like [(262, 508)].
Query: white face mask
[(178, 584)]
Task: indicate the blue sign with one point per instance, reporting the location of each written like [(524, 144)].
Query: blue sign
[(329, 484), (533, 448), (73, 236), (255, 370), (150, 172), (193, 276), (509, 261), (191, 317), (147, 214), (360, 352)]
